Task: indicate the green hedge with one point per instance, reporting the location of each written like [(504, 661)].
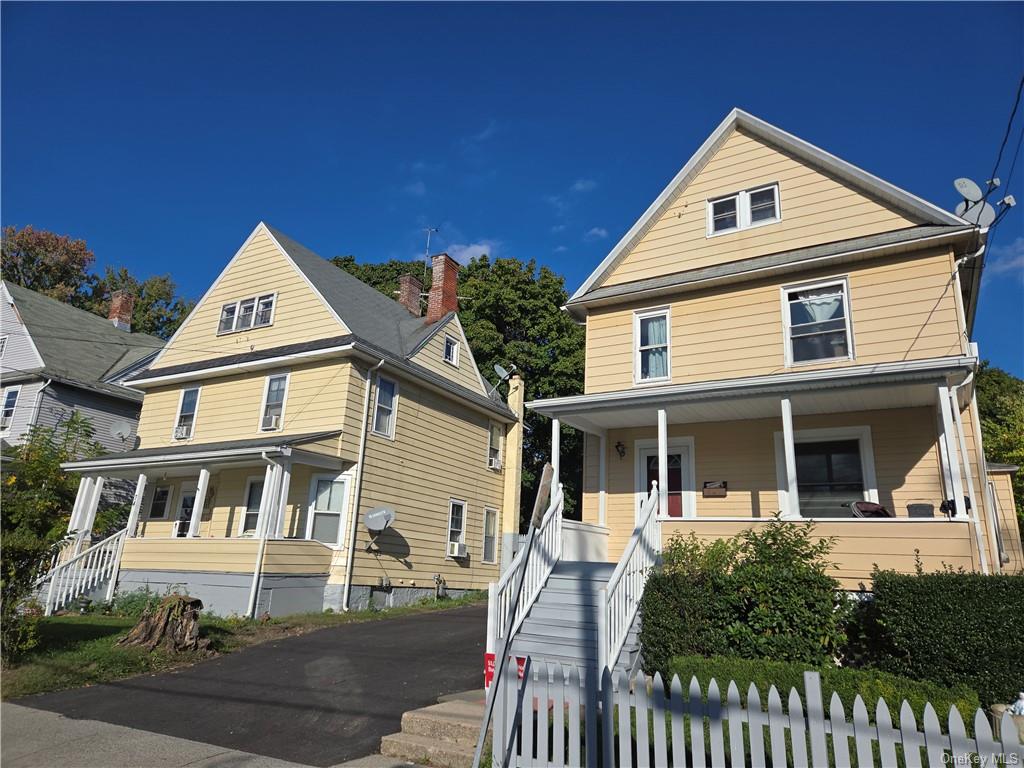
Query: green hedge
[(848, 683), (949, 627)]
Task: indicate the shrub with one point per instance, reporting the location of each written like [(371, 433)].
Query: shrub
[(133, 604), (848, 683), (949, 627), (764, 594)]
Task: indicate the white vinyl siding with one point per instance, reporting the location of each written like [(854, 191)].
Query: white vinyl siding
[(385, 408)]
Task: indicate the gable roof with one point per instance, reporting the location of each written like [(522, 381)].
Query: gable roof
[(78, 347), (917, 208)]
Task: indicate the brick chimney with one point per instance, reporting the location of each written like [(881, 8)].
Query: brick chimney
[(410, 288), (443, 287), (121, 305)]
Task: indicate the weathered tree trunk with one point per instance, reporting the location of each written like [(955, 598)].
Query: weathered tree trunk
[(174, 624)]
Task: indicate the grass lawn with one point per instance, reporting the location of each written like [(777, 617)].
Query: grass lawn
[(75, 650)]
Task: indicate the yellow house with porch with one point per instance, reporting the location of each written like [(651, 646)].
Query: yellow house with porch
[(307, 443)]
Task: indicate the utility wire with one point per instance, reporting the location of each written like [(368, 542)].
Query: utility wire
[(1006, 135)]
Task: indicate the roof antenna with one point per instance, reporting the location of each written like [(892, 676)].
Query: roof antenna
[(426, 251)]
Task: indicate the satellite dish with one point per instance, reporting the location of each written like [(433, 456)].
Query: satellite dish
[(378, 519), (968, 190), (502, 373), (121, 429), (981, 214)]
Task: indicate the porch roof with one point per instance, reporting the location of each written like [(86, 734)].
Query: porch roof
[(853, 388), (202, 453)]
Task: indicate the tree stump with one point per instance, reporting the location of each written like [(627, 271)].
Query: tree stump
[(174, 624)]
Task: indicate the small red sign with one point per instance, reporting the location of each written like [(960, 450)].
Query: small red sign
[(488, 669)]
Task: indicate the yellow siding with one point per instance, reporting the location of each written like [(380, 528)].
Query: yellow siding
[(902, 308), (299, 314), (431, 357), (1009, 527), (439, 452), (229, 407), (217, 555), (295, 557), (815, 209), (862, 544)]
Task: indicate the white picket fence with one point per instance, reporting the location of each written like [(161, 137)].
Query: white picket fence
[(619, 600), (82, 573), (569, 721)]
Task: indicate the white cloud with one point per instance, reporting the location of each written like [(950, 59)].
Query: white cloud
[(1007, 259), (558, 228), (464, 253), (557, 202), (595, 233), (560, 249), (415, 188), (584, 185)]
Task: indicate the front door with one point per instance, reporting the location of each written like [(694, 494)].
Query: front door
[(186, 507), (678, 477)]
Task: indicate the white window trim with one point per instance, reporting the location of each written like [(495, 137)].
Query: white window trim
[(183, 490), (167, 504), (641, 448), (195, 415), (237, 305), (448, 337), (284, 403), (743, 221), (344, 478), (249, 481), (483, 538), (3, 345), (394, 410), (787, 342), (642, 314), (867, 460), (14, 408), (501, 446), (465, 524)]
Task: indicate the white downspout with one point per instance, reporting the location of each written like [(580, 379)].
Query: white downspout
[(350, 556), (35, 402)]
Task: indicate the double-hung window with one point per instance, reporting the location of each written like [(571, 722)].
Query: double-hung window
[(742, 210), (494, 446), (817, 322), (456, 527), (651, 346), (385, 408), (185, 424), (272, 415), (490, 553), (451, 351), (160, 503), (251, 513), (327, 509), (10, 402), (829, 476), (253, 312)]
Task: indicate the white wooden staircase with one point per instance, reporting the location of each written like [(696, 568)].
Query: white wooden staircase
[(92, 573)]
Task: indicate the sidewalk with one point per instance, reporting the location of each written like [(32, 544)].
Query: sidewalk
[(34, 738)]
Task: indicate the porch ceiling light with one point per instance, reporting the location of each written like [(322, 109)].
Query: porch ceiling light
[(620, 448)]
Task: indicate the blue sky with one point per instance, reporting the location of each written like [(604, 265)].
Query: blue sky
[(162, 133)]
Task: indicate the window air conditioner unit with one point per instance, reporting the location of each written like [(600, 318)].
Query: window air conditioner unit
[(456, 549), (182, 433), (5, 423), (493, 463), (274, 422)]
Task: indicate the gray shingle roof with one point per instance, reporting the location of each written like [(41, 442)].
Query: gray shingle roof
[(78, 347)]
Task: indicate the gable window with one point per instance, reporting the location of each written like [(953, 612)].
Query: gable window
[(456, 529), (185, 424), (651, 344), (741, 210), (490, 553), (384, 410), (160, 503), (817, 322), (494, 446), (10, 402), (272, 418), (451, 351), (253, 312)]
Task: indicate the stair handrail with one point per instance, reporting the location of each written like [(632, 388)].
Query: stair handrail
[(619, 600), (79, 574)]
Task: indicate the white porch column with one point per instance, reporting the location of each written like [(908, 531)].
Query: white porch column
[(948, 451), (792, 509), (81, 498), (602, 480), (88, 512), (200, 502), (265, 501), (662, 462), (277, 531), (556, 459), (133, 516)]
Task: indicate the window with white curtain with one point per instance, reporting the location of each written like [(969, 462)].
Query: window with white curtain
[(817, 320), (651, 345)]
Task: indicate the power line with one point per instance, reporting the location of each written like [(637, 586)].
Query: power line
[(1006, 135)]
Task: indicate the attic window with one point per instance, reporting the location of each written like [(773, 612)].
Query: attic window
[(253, 312), (451, 350), (742, 210)]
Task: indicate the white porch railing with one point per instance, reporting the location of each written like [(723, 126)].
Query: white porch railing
[(83, 572), (618, 602), (547, 550)]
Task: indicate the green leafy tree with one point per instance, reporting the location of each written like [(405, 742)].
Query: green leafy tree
[(54, 265), (158, 309), (1001, 409), (511, 312), (37, 498)]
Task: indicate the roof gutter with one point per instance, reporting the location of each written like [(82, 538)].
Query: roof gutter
[(96, 465)]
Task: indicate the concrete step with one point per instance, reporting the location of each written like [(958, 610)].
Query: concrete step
[(455, 722), (427, 750)]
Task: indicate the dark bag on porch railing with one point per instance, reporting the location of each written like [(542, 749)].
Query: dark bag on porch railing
[(869, 509)]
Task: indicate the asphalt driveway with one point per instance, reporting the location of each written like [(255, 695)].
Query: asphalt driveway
[(318, 699)]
